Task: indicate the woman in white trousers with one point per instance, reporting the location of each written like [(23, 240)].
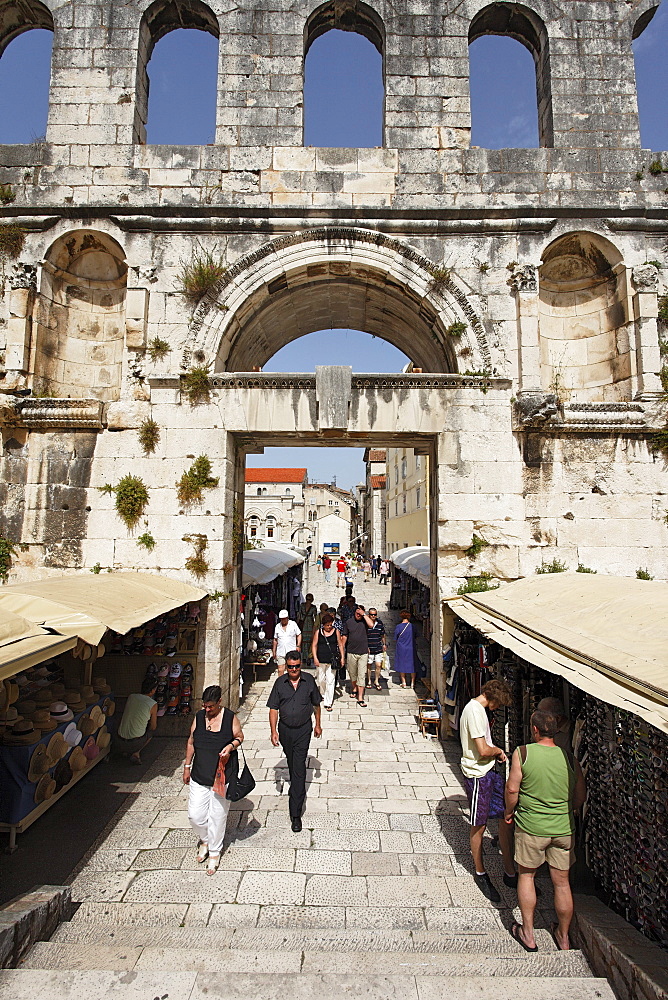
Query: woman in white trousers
[(325, 656), (215, 735)]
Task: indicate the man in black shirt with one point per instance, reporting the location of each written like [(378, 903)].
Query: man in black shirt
[(293, 700)]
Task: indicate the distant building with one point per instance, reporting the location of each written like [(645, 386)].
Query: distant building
[(275, 506), (329, 515), (406, 499), (372, 503)]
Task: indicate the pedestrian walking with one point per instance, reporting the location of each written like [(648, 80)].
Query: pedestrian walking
[(377, 648), (318, 563), (484, 787), (341, 567), (326, 655), (545, 786), (375, 563), (323, 609), (355, 651), (347, 608), (327, 567), (384, 571), (405, 653), (366, 569), (306, 616), (293, 700), (215, 735), (287, 635)]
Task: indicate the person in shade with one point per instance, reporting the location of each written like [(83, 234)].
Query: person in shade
[(214, 735), (139, 721), (544, 788), (293, 701), (405, 653)]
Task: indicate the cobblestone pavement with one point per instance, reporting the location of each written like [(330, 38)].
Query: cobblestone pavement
[(378, 880)]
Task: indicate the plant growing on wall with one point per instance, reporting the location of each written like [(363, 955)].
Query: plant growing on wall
[(584, 569), (663, 308), (476, 547), (455, 329), (478, 584), (556, 566), (7, 553), (655, 167), (200, 275), (197, 478), (440, 275), (7, 194), (149, 435), (642, 574), (196, 563), (12, 240), (146, 541), (132, 498), (158, 349), (196, 383)]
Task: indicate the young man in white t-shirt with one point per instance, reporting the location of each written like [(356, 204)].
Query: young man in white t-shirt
[(287, 636), (484, 787)]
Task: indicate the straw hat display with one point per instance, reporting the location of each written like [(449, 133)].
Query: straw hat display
[(72, 735), (100, 685), (87, 726), (62, 774), (44, 697), (91, 749), (12, 689), (56, 749), (97, 716), (77, 760), (9, 716), (103, 738), (39, 763), (58, 691), (60, 712), (22, 734), (46, 786), (108, 707), (42, 720), (26, 708), (88, 694)]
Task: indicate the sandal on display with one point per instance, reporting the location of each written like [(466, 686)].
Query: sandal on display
[(202, 852), (214, 861)]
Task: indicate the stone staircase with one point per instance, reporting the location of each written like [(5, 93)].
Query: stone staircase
[(373, 899)]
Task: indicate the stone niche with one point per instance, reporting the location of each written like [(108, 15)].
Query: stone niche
[(80, 318), (585, 343)]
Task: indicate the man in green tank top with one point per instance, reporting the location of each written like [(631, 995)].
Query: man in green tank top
[(544, 788)]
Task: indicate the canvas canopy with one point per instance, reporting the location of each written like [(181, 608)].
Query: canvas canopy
[(607, 635), (87, 605), (415, 561), (23, 644), (264, 565)]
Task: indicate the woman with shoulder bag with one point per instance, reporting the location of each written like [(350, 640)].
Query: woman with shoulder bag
[(215, 737), (325, 653)]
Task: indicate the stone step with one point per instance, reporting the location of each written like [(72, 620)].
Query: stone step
[(38, 984), (354, 939), (54, 955)]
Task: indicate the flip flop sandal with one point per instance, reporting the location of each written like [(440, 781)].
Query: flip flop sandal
[(378, 687), (202, 853), (328, 707), (515, 933), (553, 931), (214, 861), (362, 704)]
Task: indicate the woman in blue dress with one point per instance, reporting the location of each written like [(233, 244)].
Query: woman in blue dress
[(404, 650)]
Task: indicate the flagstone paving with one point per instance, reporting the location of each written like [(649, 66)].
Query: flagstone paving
[(374, 897)]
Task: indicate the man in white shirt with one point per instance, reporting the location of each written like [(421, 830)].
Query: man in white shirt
[(287, 636), (484, 788)]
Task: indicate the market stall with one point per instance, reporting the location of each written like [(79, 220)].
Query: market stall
[(600, 645), (411, 580), (271, 581)]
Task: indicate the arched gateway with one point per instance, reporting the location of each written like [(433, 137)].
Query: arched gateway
[(526, 286)]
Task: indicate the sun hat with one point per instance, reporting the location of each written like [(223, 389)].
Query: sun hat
[(91, 749), (87, 726), (46, 786), (41, 671), (9, 716), (77, 759), (88, 694), (108, 707), (56, 749), (26, 708), (23, 734), (60, 712), (103, 738), (72, 735), (42, 720), (13, 691), (283, 614), (72, 696), (97, 716), (39, 763), (62, 774), (44, 697), (100, 685)]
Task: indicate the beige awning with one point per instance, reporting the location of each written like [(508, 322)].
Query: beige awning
[(87, 605), (607, 635), (23, 644)]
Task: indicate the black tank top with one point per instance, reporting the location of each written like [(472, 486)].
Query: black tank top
[(328, 650), (208, 746)]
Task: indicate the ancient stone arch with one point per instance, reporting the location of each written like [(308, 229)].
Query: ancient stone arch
[(342, 279)]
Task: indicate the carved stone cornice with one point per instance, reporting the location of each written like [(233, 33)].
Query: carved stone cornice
[(524, 278), (645, 278), (63, 414), (543, 414)]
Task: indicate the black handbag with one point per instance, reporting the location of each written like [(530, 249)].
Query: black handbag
[(239, 785)]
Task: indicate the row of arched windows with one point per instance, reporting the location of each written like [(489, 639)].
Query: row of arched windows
[(343, 76)]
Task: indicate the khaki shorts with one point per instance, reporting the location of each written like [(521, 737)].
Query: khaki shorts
[(531, 850), (356, 667)]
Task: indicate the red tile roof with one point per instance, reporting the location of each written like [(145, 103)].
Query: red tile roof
[(377, 482), (275, 475)]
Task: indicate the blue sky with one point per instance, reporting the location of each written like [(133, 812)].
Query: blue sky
[(342, 107)]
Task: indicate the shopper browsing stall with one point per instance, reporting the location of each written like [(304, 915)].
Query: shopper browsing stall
[(139, 720)]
